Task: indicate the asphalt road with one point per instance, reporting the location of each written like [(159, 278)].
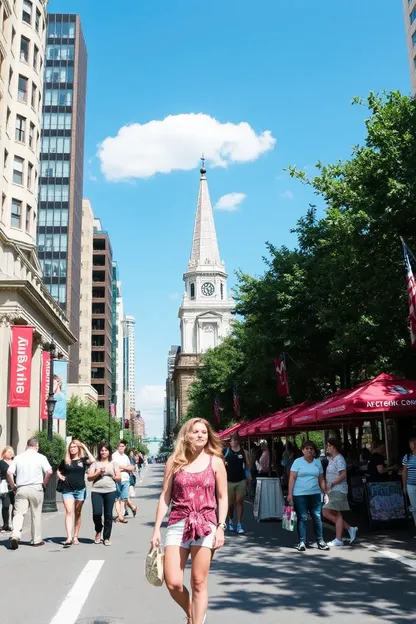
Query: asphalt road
[(258, 576)]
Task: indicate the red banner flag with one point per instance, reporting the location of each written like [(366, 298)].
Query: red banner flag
[(281, 376), (217, 409), (44, 388), (20, 366)]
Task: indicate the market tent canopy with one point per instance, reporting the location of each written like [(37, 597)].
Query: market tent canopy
[(384, 393), (283, 419), (243, 431), (308, 414), (227, 433)]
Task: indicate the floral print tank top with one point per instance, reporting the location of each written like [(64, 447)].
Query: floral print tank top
[(194, 500)]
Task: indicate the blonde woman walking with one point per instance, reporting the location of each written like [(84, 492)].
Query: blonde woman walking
[(72, 474), (195, 479)]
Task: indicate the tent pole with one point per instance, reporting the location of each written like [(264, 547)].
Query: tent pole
[(386, 439)]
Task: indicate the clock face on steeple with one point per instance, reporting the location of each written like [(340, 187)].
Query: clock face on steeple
[(207, 289)]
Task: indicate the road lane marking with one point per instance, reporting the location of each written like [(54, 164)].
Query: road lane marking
[(71, 607), (400, 558)]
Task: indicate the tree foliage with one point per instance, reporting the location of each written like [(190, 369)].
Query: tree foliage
[(54, 449), (89, 423), (337, 303)]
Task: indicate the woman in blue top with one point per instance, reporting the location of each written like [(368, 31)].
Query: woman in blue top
[(409, 476), (306, 484)]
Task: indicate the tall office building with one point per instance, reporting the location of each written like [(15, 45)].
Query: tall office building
[(409, 7), (24, 301), (130, 360), (120, 405), (61, 168), (102, 316), (170, 421)]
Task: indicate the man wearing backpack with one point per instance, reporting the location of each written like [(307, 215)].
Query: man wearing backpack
[(237, 463)]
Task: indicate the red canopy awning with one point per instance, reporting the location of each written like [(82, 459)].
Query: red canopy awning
[(256, 425), (246, 426), (384, 393), (283, 418)]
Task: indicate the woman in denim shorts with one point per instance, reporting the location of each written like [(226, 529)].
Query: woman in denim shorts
[(72, 473)]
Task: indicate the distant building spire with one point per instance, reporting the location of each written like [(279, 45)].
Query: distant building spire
[(204, 242)]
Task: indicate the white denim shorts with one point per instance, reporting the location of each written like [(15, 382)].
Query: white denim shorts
[(174, 537)]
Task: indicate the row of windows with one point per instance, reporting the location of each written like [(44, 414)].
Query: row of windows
[(60, 52), (28, 14), (56, 145), (58, 292), (52, 242), (54, 169), (54, 192), (26, 54), (56, 217), (58, 97), (56, 30), (17, 215), (23, 85), (59, 74), (24, 132), (23, 173), (53, 268), (56, 121)]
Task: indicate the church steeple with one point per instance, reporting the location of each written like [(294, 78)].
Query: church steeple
[(205, 250)]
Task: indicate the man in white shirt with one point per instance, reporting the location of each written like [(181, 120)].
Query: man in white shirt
[(121, 459), (28, 475)]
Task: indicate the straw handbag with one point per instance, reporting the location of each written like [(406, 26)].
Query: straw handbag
[(154, 566)]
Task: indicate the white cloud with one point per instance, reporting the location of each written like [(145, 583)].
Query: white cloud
[(286, 195), (176, 143), (230, 202)]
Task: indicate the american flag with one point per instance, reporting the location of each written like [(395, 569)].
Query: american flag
[(217, 409), (411, 292), (236, 401)]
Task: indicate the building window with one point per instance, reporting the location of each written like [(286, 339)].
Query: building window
[(55, 97), (28, 218), (22, 89), (24, 49), (16, 213), (13, 38), (59, 74), (34, 96), (60, 52), (55, 169), (54, 192), (6, 158), (53, 145), (37, 20), (29, 176), (412, 16), (10, 78), (35, 57), (32, 136), (414, 38), (192, 291), (20, 133), (57, 121), (18, 170), (27, 12), (222, 291)]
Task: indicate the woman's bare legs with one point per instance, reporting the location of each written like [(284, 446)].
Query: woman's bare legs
[(201, 563), (69, 508), (77, 523), (175, 562), (336, 518)]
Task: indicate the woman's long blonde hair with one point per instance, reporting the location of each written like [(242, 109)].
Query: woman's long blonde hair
[(182, 455), (80, 451), (4, 451)]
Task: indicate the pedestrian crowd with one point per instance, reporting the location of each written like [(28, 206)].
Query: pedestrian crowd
[(112, 475)]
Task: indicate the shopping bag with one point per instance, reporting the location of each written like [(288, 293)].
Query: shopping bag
[(154, 566), (289, 520)]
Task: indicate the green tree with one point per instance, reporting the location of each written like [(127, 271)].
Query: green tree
[(89, 423), (54, 449)]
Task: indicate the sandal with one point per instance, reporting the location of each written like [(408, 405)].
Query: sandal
[(122, 520), (75, 541), (67, 543), (97, 539), (135, 511)]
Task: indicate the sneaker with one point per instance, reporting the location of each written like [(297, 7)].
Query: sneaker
[(336, 543), (231, 526), (14, 543), (240, 529), (301, 547), (323, 545), (352, 532)]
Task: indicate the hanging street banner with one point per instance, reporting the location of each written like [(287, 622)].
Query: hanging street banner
[(20, 366), (60, 379), (44, 384), (281, 376)]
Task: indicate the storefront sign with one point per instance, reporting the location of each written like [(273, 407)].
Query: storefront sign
[(20, 366), (60, 375), (44, 390), (386, 502)]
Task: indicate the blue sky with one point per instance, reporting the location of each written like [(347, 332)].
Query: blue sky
[(290, 68)]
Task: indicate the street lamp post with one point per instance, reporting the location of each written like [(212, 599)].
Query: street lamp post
[(49, 501)]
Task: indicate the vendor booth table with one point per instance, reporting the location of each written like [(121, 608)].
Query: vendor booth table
[(268, 500)]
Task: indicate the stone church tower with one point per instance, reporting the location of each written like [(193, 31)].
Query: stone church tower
[(206, 310)]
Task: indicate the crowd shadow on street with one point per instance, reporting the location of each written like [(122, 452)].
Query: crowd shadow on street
[(261, 572)]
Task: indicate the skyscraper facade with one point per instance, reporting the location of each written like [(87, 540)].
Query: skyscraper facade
[(61, 168), (409, 7), (120, 403), (102, 316), (130, 360)]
